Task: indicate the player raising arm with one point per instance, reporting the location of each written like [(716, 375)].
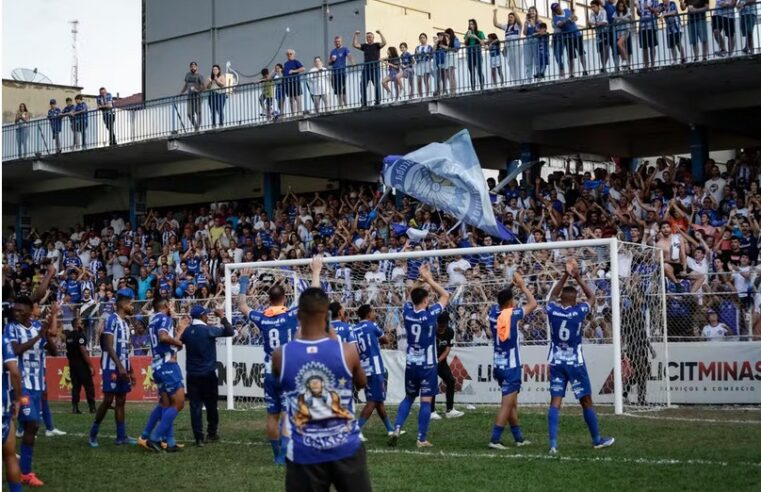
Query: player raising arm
[(565, 358), (420, 376), (503, 320), (277, 325)]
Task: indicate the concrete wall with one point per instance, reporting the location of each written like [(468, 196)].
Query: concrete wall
[(246, 186), (246, 33), (36, 97)]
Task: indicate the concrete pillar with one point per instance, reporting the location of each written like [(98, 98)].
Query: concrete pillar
[(271, 186), (698, 152), (133, 206)]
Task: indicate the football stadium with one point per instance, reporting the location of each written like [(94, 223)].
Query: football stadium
[(362, 245)]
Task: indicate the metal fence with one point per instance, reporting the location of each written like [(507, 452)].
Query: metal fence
[(602, 51)]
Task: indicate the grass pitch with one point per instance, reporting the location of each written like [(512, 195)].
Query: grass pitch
[(679, 449)]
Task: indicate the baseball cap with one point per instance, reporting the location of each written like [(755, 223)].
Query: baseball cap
[(37, 242), (52, 101), (554, 6), (197, 311)]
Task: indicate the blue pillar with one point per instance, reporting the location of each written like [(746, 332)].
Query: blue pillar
[(271, 185), (23, 225), (133, 206), (698, 152)]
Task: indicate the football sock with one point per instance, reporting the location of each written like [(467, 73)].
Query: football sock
[(404, 411), (165, 425), (496, 433), (362, 421), (47, 416), (553, 417), (94, 430), (26, 458), (517, 435), (423, 419), (121, 431), (590, 417), (275, 443), (153, 419), (387, 423)]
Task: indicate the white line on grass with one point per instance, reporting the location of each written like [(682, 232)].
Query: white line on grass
[(687, 419), (525, 457)]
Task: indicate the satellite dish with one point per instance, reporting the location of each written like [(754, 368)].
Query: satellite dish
[(30, 75)]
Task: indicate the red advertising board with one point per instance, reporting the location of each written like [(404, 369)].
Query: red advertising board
[(58, 379)]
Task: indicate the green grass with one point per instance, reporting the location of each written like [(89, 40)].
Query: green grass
[(649, 454)]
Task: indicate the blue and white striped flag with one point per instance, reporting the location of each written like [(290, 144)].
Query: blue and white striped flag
[(301, 284), (447, 176)]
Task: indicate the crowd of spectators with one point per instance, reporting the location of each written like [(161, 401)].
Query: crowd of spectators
[(709, 234)]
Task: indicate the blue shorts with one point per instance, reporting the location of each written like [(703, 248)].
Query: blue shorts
[(696, 28), (420, 380), (272, 398), (376, 388), (509, 379), (168, 377), (562, 374), (6, 426), (112, 383), (31, 406), (747, 23)]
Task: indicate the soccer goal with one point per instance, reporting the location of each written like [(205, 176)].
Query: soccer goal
[(625, 336)]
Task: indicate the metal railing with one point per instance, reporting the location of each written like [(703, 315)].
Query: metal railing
[(597, 51)]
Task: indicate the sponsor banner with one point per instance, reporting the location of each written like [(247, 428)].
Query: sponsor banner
[(58, 379), (248, 371), (697, 373)]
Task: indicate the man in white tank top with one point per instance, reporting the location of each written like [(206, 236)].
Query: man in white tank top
[(674, 253)]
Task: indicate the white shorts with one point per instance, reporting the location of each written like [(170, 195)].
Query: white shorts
[(451, 59), (495, 61), (423, 68)]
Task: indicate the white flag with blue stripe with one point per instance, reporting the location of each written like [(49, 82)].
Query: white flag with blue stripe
[(447, 176)]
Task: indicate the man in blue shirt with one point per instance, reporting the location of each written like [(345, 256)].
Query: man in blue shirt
[(106, 106), (79, 113), (568, 37), (200, 342), (54, 116), (292, 69), (648, 11), (337, 61)]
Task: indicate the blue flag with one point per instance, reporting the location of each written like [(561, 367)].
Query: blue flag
[(448, 177)]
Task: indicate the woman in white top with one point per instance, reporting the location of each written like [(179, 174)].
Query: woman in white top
[(217, 97), (423, 57), (622, 24), (530, 42), (318, 84), (512, 30)]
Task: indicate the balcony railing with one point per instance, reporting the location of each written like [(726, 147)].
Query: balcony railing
[(660, 42)]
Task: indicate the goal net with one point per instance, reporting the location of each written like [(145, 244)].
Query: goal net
[(624, 338)]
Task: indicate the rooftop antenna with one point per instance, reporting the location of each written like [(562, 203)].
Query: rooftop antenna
[(74, 55)]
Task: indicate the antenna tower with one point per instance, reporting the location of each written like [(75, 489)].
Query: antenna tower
[(74, 54)]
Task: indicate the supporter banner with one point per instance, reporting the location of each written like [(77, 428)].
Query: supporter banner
[(698, 373), (58, 379), (248, 371)]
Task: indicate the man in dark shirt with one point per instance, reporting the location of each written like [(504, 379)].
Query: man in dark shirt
[(194, 87), (371, 68), (200, 341), (444, 337), (79, 366)]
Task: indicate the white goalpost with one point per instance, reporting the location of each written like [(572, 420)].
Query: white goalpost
[(625, 338)]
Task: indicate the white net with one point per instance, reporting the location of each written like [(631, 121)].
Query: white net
[(474, 279)]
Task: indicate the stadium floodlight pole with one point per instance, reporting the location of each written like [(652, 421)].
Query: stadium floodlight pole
[(229, 373), (615, 304)]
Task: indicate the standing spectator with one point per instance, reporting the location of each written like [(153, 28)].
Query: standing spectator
[(610, 11), (79, 367), (140, 340), (194, 87), (56, 123), (495, 57), (715, 331), (440, 60), (268, 92), (371, 68), (68, 112), (105, 103), (512, 30), (542, 50), (407, 72), (394, 66), (292, 69), (648, 38), (217, 98), (277, 79), (338, 58), (454, 48), (747, 22), (22, 129), (530, 42), (81, 121), (474, 41), (697, 30), (622, 27), (571, 38), (598, 19), (318, 85), (673, 30), (423, 64), (724, 17)]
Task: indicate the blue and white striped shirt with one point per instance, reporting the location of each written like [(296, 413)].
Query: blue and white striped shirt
[(117, 328), (31, 362)]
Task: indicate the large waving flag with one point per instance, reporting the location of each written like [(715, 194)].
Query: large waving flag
[(447, 176)]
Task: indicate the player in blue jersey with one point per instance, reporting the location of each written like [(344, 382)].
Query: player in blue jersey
[(503, 320), (30, 339), (339, 324), (565, 357), (11, 403), (277, 325), (118, 376), (420, 375), (166, 373), (369, 336), (317, 375)]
